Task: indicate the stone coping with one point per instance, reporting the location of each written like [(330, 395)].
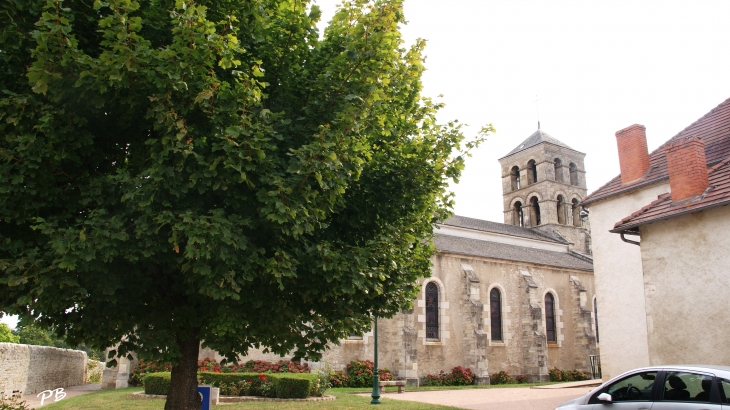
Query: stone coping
[(236, 399)]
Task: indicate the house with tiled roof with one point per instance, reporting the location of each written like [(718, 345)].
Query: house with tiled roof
[(660, 230), (515, 296)]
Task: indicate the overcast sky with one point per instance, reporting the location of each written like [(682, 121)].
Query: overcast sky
[(596, 67)]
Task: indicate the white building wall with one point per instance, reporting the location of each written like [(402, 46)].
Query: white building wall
[(685, 263), (619, 283)]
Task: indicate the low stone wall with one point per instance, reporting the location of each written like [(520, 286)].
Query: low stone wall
[(32, 369)]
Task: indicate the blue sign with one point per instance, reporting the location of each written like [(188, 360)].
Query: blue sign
[(205, 394)]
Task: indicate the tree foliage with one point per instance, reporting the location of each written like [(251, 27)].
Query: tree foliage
[(6, 334), (176, 171)]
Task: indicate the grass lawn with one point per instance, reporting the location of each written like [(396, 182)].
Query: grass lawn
[(122, 400)]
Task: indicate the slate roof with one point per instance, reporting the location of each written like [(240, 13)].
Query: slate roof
[(536, 138), (713, 128), (663, 208), (504, 229), (495, 250)]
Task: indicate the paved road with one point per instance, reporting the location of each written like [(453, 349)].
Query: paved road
[(512, 398)]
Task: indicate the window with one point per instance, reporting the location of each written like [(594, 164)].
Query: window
[(561, 210), (725, 391), (573, 174), (518, 218), (534, 211), (354, 336), (495, 313), (558, 169), (685, 386), (595, 314), (531, 172), (552, 335), (515, 177), (576, 212), (636, 387), (432, 311)]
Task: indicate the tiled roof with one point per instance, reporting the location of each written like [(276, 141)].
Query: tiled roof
[(713, 128), (717, 194), (496, 227), (495, 250), (534, 139)]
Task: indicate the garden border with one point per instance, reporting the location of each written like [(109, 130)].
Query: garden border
[(237, 399)]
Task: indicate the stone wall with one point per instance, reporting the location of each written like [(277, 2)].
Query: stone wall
[(32, 369)]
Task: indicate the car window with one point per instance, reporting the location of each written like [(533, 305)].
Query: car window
[(686, 386), (636, 387), (725, 390)]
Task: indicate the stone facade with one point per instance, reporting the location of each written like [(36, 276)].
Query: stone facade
[(521, 263), (32, 369)]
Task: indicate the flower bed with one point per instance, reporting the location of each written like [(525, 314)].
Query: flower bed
[(458, 376), (359, 373)]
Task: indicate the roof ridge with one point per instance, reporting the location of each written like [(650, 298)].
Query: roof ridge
[(700, 119)]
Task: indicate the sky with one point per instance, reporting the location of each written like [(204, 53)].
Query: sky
[(593, 68)]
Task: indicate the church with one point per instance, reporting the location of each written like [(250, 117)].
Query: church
[(516, 296)]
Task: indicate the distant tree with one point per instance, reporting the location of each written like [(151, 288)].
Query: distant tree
[(178, 171), (32, 335), (6, 334)]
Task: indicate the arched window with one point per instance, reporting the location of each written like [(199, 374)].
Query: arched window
[(573, 174), (432, 311), (495, 313), (552, 334), (531, 172), (558, 169), (595, 314), (576, 213), (518, 218), (561, 210), (515, 177), (534, 211)]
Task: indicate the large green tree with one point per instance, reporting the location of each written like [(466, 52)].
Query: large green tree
[(174, 172)]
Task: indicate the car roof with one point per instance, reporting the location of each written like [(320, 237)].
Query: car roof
[(709, 368)]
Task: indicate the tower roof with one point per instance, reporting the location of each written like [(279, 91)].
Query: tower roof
[(537, 137)]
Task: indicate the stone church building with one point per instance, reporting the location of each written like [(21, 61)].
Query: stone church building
[(515, 296)]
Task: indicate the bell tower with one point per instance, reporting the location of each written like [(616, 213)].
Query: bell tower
[(543, 182)]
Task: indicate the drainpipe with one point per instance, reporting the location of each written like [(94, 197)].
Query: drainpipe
[(628, 232)]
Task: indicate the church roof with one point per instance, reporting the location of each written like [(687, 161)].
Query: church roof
[(496, 250), (713, 128), (499, 228), (537, 137)]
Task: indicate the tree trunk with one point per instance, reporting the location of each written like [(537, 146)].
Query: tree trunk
[(183, 393)]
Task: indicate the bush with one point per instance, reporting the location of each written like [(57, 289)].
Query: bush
[(521, 379), (502, 377), (144, 368), (359, 373), (557, 375), (284, 386), (459, 376), (157, 383), (253, 366)]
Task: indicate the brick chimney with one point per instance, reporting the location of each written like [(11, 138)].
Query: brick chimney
[(687, 167), (633, 154)]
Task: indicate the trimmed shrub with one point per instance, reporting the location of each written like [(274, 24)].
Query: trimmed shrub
[(157, 383), (293, 387), (521, 379)]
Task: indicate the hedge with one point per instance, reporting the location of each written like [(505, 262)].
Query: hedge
[(284, 385), (157, 383)]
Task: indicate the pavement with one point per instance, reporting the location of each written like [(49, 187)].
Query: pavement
[(33, 401), (509, 398)]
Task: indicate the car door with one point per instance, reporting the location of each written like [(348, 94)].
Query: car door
[(687, 390), (724, 390), (633, 392)]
